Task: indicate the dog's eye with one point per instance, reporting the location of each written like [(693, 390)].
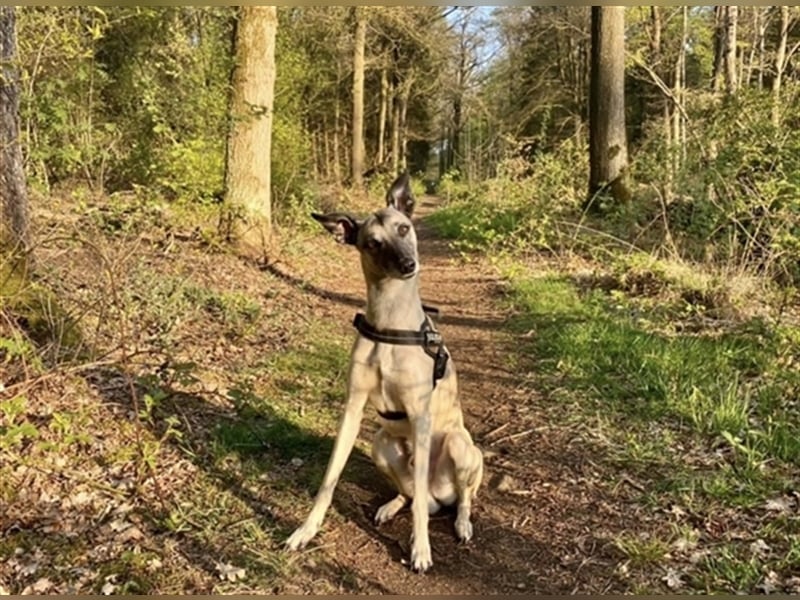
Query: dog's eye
[(372, 244), (403, 230)]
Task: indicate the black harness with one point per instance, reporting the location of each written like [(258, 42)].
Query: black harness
[(427, 337)]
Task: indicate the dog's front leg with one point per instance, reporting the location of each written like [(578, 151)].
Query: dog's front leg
[(345, 439), (421, 559)]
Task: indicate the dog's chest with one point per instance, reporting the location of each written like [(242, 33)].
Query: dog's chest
[(397, 373)]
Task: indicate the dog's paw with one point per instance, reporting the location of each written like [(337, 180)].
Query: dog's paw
[(421, 559), (464, 529), (389, 510), (301, 536)]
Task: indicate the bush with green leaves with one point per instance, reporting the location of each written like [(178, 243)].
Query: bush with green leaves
[(735, 197), (524, 206)]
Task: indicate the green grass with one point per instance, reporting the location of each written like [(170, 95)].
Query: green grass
[(707, 421), (726, 384)]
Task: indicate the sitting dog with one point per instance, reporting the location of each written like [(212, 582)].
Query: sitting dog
[(399, 364)]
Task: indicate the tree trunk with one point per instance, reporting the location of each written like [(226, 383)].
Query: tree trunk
[(731, 80), (404, 95), (780, 65), (13, 189), (337, 154), (719, 47), (382, 117), (326, 166), (396, 129), (248, 165), (358, 96), (608, 148), (680, 129), (762, 34)]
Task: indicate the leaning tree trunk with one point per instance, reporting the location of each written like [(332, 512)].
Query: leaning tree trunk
[(248, 165), (608, 148), (13, 190), (358, 97)]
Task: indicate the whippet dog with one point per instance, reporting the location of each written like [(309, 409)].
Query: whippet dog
[(399, 364)]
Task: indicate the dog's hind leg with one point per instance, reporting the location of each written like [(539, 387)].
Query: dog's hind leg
[(467, 475), (392, 457)]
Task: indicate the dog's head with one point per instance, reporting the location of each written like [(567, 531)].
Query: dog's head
[(386, 239)]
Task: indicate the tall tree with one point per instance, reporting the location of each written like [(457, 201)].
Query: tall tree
[(731, 22), (608, 148), (248, 168), (12, 175), (780, 64), (359, 47)]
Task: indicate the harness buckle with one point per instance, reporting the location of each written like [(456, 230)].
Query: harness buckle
[(432, 338)]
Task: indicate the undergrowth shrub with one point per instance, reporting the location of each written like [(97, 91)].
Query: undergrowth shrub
[(524, 206), (735, 197)]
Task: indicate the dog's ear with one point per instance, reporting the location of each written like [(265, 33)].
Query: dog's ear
[(400, 196), (344, 227)]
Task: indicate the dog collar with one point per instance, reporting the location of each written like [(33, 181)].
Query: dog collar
[(427, 337)]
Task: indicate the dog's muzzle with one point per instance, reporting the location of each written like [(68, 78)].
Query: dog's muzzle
[(408, 266)]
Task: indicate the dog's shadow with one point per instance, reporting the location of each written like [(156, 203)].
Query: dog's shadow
[(262, 438)]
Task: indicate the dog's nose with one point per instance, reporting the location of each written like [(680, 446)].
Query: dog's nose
[(407, 265)]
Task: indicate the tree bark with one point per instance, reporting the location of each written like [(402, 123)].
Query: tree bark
[(780, 65), (248, 172), (382, 117), (762, 34), (13, 188), (731, 79), (337, 154), (608, 148), (396, 128), (358, 96), (719, 47), (679, 131), (404, 96)]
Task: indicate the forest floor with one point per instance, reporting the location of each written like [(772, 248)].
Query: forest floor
[(176, 434)]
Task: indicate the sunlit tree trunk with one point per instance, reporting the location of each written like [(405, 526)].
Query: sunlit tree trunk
[(731, 18), (780, 65), (382, 117), (608, 148), (679, 94), (404, 96), (13, 189), (248, 170), (357, 149), (396, 110), (337, 137), (762, 34)]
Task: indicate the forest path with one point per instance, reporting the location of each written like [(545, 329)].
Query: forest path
[(543, 519)]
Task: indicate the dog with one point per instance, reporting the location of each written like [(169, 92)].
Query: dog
[(399, 365)]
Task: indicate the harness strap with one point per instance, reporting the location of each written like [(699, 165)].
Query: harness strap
[(427, 337), (399, 337), (393, 415)]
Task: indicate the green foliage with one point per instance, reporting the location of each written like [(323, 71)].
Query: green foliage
[(126, 96), (523, 207), (735, 192), (66, 133), (733, 384), (15, 429)]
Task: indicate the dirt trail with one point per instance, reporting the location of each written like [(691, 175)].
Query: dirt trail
[(543, 517)]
